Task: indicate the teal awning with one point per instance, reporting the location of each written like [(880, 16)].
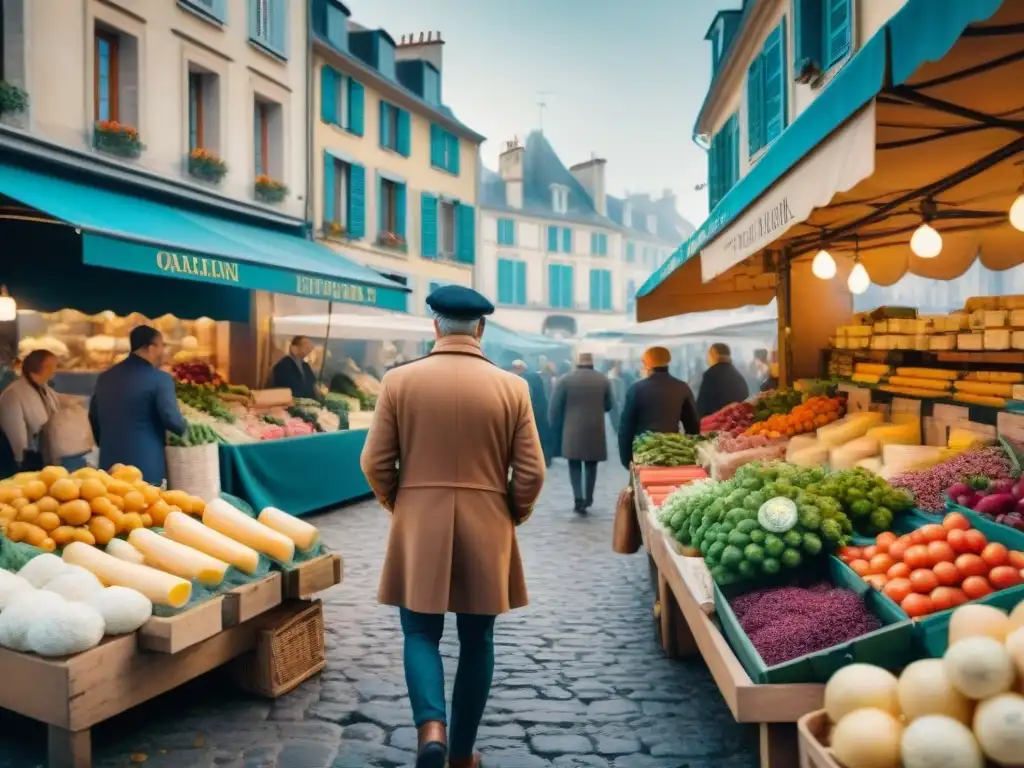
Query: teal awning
[(139, 235), (922, 31)]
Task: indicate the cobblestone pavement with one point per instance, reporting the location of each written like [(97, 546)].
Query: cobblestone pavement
[(579, 678)]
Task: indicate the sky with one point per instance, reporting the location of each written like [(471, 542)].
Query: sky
[(622, 79)]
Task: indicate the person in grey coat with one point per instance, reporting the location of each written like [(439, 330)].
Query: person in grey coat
[(134, 407), (577, 410)]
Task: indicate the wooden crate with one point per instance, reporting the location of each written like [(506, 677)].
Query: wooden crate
[(289, 650), (315, 575), (172, 634), (250, 600), (812, 730)]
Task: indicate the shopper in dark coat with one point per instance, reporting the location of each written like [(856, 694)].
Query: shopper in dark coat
[(578, 407), (134, 407), (722, 383), (293, 372), (539, 401), (658, 403)]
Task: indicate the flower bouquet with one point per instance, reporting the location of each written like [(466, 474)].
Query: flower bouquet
[(12, 99)]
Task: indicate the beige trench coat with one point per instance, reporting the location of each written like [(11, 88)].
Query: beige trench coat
[(447, 430)]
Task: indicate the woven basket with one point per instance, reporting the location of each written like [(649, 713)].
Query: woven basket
[(195, 470), (286, 654), (813, 731)]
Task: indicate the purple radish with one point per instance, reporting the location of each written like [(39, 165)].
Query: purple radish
[(1003, 485), (968, 499), (959, 489), (996, 504)]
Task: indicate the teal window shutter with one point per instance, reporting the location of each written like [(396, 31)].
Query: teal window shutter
[(506, 232), (838, 37), (254, 29), (428, 226), (567, 240), (606, 289), (452, 152), (595, 289), (404, 133), (506, 281), (733, 148), (630, 251), (520, 282), (809, 29), (400, 209), (385, 137), (593, 243), (356, 201), (379, 183), (330, 204), (604, 245), (552, 239), (436, 146), (568, 277), (467, 233), (554, 285), (755, 104), (356, 96), (279, 26), (775, 82), (714, 183), (329, 95)]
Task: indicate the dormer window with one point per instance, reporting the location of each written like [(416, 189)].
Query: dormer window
[(627, 215), (559, 198), (652, 223)]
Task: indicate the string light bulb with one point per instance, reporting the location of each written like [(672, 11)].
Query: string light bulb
[(1017, 212), (926, 242), (859, 280), (8, 307), (824, 266)]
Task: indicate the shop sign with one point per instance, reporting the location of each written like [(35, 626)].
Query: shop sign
[(219, 270), (334, 290)]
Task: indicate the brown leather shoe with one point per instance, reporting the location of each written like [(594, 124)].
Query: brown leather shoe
[(465, 762), (433, 745)]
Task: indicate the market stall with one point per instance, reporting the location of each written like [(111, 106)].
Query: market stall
[(113, 591)]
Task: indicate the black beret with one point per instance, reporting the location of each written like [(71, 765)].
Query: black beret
[(459, 303)]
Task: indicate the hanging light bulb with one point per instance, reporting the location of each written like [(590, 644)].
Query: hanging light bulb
[(8, 307), (824, 266), (859, 280), (926, 242), (1017, 212)]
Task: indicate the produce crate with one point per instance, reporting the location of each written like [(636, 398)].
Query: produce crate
[(812, 730), (289, 650), (171, 634), (250, 600), (305, 579), (892, 646)]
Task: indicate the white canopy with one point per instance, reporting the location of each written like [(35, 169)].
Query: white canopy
[(382, 326)]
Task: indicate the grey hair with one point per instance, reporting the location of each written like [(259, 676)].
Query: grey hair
[(449, 326)]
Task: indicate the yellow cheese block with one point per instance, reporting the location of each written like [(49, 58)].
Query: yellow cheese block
[(305, 536), (866, 378), (927, 373), (875, 368), (985, 388), (161, 588), (237, 525), (965, 397), (187, 530), (168, 555), (908, 381), (848, 428), (122, 550), (996, 377), (907, 433), (912, 391)]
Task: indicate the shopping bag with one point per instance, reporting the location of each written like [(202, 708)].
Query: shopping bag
[(626, 537)]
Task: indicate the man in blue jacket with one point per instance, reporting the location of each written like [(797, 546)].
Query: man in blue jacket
[(134, 407)]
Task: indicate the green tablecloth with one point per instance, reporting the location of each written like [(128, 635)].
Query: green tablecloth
[(298, 475)]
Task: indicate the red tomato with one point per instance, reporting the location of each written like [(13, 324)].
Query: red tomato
[(947, 574), (885, 540), (876, 580), (971, 565), (959, 598), (917, 556), (849, 554), (916, 537), (975, 587), (957, 539), (868, 552), (1016, 559), (899, 548), (923, 581), (933, 532), (995, 554), (881, 563), (955, 521), (898, 589), (1004, 576), (915, 605), (898, 571), (943, 598), (860, 567), (976, 541), (940, 552)]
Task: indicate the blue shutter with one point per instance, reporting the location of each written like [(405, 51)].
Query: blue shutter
[(552, 239), (279, 26), (554, 285), (595, 289), (837, 30), (714, 195), (220, 10), (356, 201), (775, 82), (436, 146), (329, 95), (755, 105), (809, 27), (330, 204), (520, 283), (428, 226), (356, 96), (568, 277), (506, 286), (630, 251), (384, 128), (567, 240), (404, 143), (400, 209), (379, 194), (733, 149), (467, 233), (604, 245), (452, 147), (593, 243), (253, 26), (257, 141), (607, 285)]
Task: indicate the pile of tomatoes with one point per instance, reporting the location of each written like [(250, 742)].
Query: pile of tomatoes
[(937, 566)]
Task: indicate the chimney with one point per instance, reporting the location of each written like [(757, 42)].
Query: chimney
[(591, 175), (510, 168), (668, 199), (627, 210), (422, 45)]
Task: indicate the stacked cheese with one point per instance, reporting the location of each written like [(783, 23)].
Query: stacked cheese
[(921, 382), (992, 388)]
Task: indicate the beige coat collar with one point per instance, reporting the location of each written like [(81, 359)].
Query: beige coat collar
[(460, 345)]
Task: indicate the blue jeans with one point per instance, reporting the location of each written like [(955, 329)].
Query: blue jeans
[(424, 673)]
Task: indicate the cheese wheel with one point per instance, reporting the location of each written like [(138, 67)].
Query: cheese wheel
[(122, 550), (161, 588), (164, 554), (305, 536), (237, 525), (187, 530)]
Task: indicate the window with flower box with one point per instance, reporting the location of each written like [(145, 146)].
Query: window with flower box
[(115, 91)]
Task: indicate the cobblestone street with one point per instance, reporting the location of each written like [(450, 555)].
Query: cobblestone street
[(579, 679)]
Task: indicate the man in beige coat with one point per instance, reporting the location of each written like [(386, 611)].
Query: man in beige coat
[(453, 454)]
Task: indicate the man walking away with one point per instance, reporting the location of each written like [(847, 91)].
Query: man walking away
[(447, 431), (577, 409), (722, 383), (539, 401), (658, 403)]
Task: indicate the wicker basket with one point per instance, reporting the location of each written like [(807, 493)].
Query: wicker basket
[(195, 470), (812, 730), (288, 652)]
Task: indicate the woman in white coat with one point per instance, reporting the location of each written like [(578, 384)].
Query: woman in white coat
[(25, 407)]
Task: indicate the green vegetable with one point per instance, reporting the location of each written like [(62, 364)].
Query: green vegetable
[(771, 566), (812, 544), (792, 538), (732, 556), (791, 558), (773, 545), (739, 539), (754, 554)]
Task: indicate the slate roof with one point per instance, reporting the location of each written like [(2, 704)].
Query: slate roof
[(542, 168), (670, 225)]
